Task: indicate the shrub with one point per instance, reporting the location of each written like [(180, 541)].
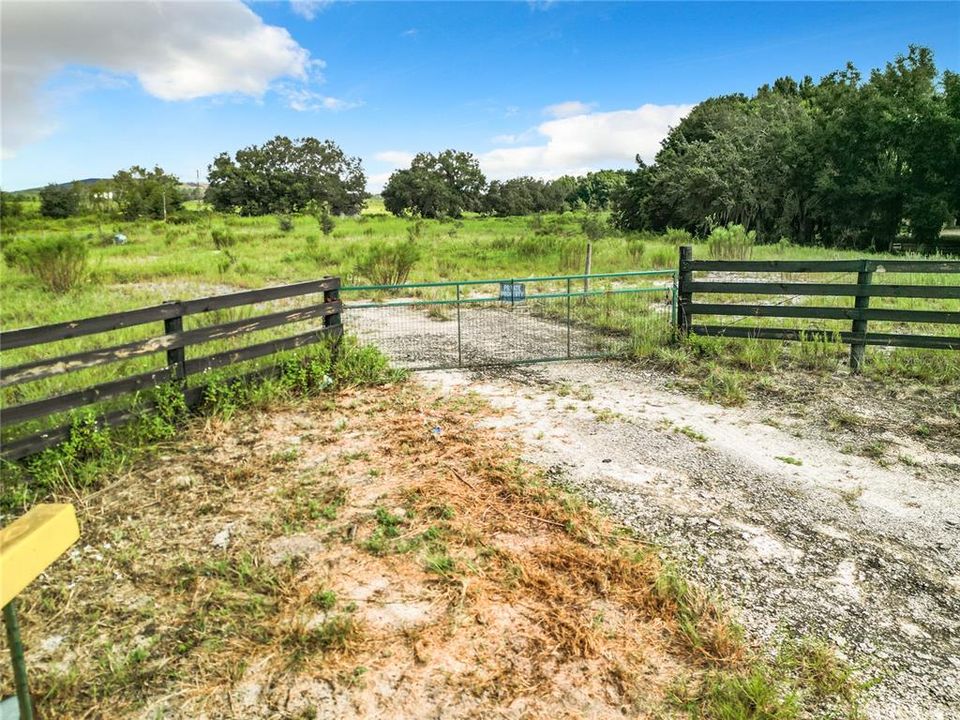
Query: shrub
[(388, 263), (415, 230), (285, 223), (59, 263), (326, 220), (593, 227), (732, 242), (676, 236), (223, 239)]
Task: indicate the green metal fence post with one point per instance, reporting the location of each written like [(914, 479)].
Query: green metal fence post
[(16, 657), (569, 319), (459, 332), (861, 302), (674, 291)]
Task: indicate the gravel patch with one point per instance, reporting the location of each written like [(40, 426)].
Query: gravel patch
[(792, 532)]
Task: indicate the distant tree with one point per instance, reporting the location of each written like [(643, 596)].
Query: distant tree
[(139, 192), (11, 205), (522, 196), (630, 203), (444, 185), (60, 201), (596, 190), (564, 191), (286, 176)]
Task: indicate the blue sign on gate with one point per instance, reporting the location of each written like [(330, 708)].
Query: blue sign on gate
[(513, 292)]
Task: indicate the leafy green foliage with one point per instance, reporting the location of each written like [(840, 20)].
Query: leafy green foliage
[(324, 219), (287, 176), (845, 162), (444, 185), (60, 201), (525, 196), (139, 192), (593, 227), (11, 206)]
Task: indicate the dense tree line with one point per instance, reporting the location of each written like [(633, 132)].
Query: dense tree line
[(846, 161), (451, 183), (287, 176)]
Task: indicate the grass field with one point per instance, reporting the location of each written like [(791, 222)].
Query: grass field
[(180, 260)]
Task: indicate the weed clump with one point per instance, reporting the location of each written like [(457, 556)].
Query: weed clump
[(386, 263), (732, 242), (59, 263)]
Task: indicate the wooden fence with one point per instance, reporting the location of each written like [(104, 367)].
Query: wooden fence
[(860, 314), (174, 341)]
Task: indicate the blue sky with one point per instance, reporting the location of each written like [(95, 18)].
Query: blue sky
[(531, 88)]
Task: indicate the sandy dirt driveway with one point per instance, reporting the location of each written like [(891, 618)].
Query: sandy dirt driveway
[(793, 533)]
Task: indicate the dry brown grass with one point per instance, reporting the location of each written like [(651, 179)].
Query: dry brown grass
[(346, 560)]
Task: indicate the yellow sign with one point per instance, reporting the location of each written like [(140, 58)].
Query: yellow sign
[(31, 543)]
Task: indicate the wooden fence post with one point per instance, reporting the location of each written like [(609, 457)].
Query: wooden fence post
[(861, 302), (176, 357), (683, 290), (334, 320)]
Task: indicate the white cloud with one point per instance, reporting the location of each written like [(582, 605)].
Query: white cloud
[(305, 100), (584, 142), (567, 109), (396, 158), (309, 9), (376, 181), (176, 50), (514, 138), (393, 159)]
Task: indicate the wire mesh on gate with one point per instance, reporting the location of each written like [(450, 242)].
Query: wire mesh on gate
[(511, 321)]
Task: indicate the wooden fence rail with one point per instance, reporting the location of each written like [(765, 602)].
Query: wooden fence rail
[(860, 314), (173, 342)]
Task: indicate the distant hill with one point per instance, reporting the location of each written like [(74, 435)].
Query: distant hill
[(91, 181), (35, 190)]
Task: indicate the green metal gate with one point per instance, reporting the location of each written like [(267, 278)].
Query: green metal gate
[(508, 321)]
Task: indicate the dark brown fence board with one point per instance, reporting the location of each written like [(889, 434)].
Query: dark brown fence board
[(933, 342), (29, 372), (826, 313), (31, 444), (826, 289), (822, 266), (26, 337), (760, 266), (69, 401), (231, 357)]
